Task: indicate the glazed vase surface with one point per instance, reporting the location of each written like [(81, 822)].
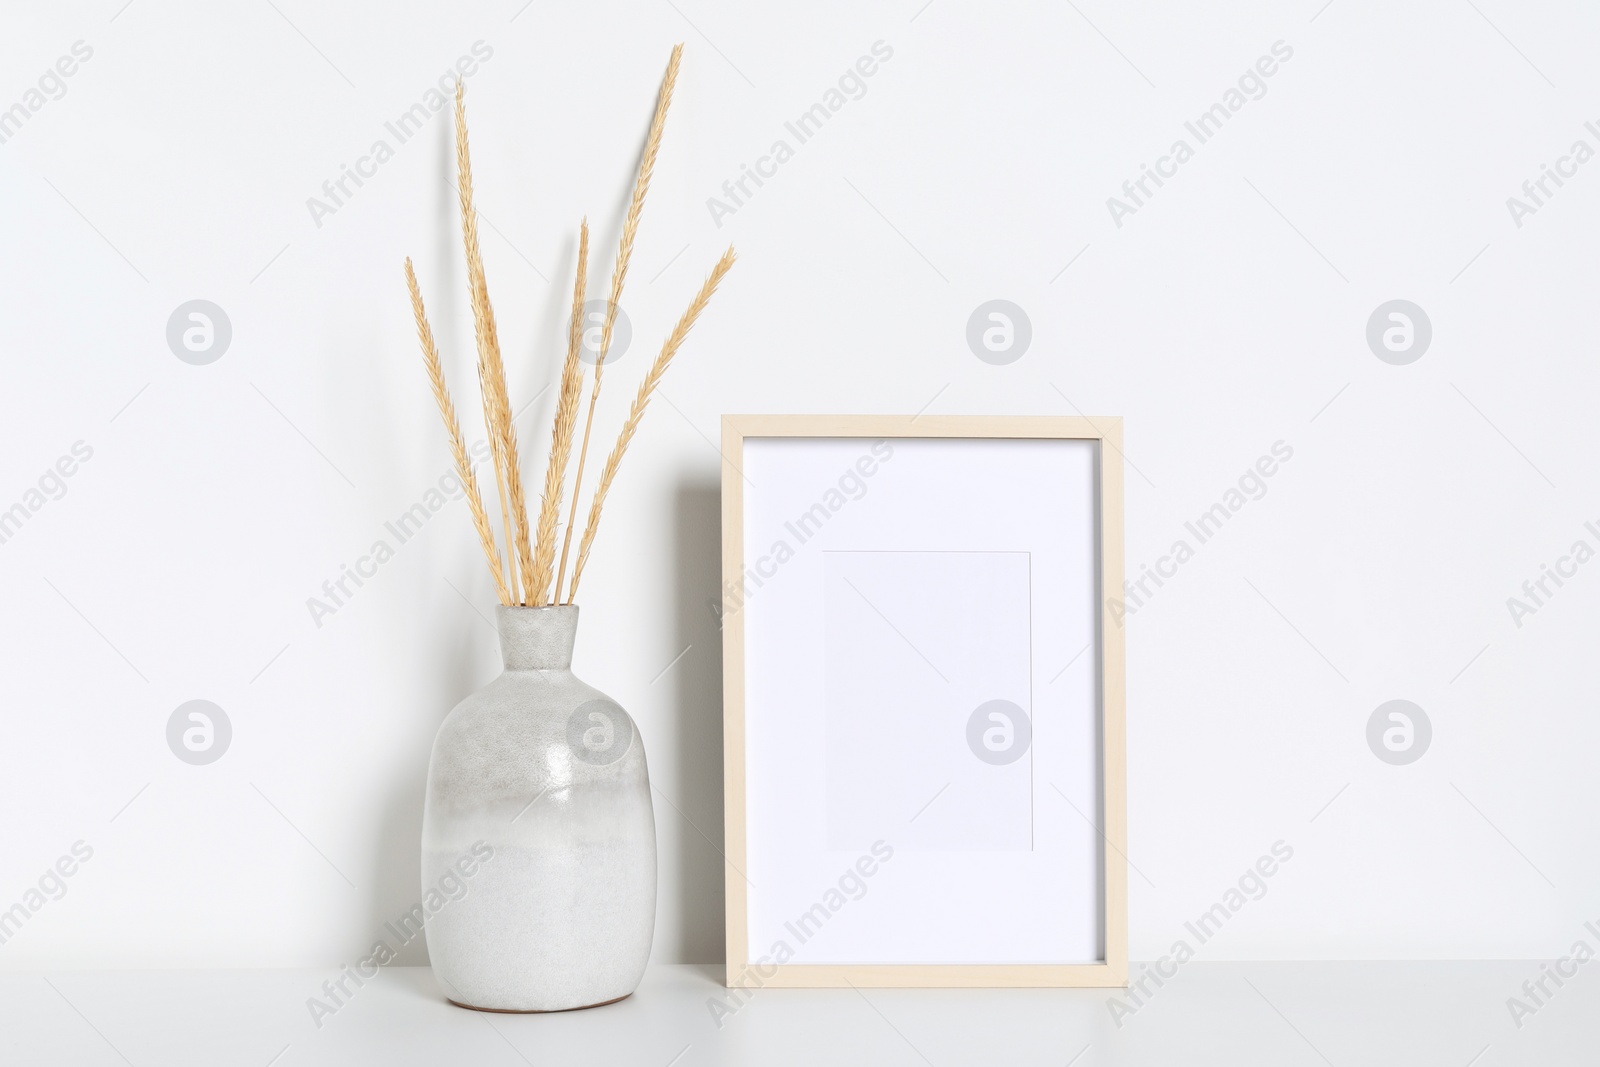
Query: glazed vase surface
[(538, 835)]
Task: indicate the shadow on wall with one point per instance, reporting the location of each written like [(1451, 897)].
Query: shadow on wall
[(460, 635), (698, 866), (455, 633)]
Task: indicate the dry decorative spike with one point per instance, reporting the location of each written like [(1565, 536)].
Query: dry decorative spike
[(527, 574)]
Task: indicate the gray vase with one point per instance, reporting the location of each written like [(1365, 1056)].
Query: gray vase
[(538, 838)]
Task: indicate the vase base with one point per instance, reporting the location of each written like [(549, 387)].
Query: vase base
[(540, 1011)]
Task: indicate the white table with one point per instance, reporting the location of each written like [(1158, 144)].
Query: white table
[(1416, 1014)]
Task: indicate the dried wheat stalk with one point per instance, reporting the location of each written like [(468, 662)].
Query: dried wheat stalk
[(668, 349), (458, 446), (619, 275), (492, 373), (525, 576), (544, 554), (641, 186)]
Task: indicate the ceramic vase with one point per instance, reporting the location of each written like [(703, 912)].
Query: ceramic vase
[(538, 836)]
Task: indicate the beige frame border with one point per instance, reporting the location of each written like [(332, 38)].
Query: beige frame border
[(1113, 971)]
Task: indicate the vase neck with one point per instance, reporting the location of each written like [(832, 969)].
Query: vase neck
[(537, 639)]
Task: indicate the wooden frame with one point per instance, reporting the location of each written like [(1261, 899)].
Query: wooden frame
[(1107, 432)]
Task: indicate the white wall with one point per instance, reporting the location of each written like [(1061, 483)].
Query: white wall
[(1226, 314)]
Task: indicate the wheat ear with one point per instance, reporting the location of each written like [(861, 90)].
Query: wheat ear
[(544, 553), (668, 349), (492, 372), (458, 446), (619, 274)]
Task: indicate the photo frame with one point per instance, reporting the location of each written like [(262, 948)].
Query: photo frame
[(923, 711)]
